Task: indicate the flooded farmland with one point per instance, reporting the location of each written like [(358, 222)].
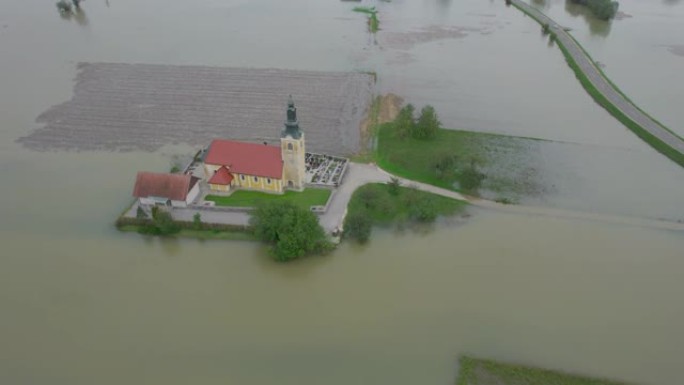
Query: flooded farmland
[(84, 304), (125, 107)]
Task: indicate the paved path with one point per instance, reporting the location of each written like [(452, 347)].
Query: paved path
[(359, 174), (597, 78)]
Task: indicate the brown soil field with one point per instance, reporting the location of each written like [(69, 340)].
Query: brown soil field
[(129, 107)]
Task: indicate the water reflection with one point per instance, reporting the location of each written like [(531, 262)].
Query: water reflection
[(596, 26), (68, 12), (541, 4), (80, 17), (444, 4)]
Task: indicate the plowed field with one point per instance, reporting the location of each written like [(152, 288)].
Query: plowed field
[(126, 107)]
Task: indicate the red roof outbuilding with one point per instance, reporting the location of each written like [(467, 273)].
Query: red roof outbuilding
[(246, 158), (222, 176), (170, 186)]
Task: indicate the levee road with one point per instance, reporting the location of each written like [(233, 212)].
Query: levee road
[(606, 93)]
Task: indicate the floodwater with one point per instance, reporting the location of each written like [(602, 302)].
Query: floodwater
[(83, 304), (642, 51)]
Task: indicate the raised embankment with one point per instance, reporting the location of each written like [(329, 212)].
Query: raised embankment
[(606, 93)]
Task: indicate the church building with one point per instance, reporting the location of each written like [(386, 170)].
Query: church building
[(230, 164)]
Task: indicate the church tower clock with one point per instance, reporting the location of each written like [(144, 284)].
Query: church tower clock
[(293, 150)]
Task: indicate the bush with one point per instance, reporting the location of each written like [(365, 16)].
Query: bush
[(423, 210), (445, 166), (291, 231), (471, 179), (394, 186), (164, 223), (197, 221), (140, 213), (358, 226), (369, 198)]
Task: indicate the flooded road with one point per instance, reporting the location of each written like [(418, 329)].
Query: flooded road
[(83, 304), (649, 33)]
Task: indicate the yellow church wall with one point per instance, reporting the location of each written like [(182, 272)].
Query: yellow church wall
[(247, 182)]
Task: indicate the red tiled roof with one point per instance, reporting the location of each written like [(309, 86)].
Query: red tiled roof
[(246, 158), (221, 176), (171, 186)]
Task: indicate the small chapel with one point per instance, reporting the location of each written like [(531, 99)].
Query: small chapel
[(230, 164)]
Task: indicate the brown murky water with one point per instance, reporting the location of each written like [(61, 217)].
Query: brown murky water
[(83, 304)]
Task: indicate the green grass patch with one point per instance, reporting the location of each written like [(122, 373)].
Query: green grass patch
[(373, 22), (383, 207), (232, 235), (189, 229), (366, 10), (474, 371), (506, 162), (243, 198)]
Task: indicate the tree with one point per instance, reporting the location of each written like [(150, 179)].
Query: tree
[(291, 231), (405, 123), (197, 221), (428, 124), (162, 223), (394, 186), (358, 225)]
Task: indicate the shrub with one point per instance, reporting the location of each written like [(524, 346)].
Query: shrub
[(358, 226), (291, 231), (197, 221), (423, 210), (470, 178), (394, 186), (164, 223), (140, 213), (445, 166)]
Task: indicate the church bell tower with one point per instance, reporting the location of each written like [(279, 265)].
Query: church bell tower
[(293, 150)]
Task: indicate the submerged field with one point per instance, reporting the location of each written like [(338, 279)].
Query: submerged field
[(125, 107), (475, 371), (509, 164)]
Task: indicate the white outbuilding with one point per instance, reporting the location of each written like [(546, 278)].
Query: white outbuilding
[(166, 189)]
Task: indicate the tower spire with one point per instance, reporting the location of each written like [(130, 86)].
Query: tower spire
[(291, 124)]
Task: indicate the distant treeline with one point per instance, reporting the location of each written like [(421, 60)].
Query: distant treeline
[(603, 9)]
